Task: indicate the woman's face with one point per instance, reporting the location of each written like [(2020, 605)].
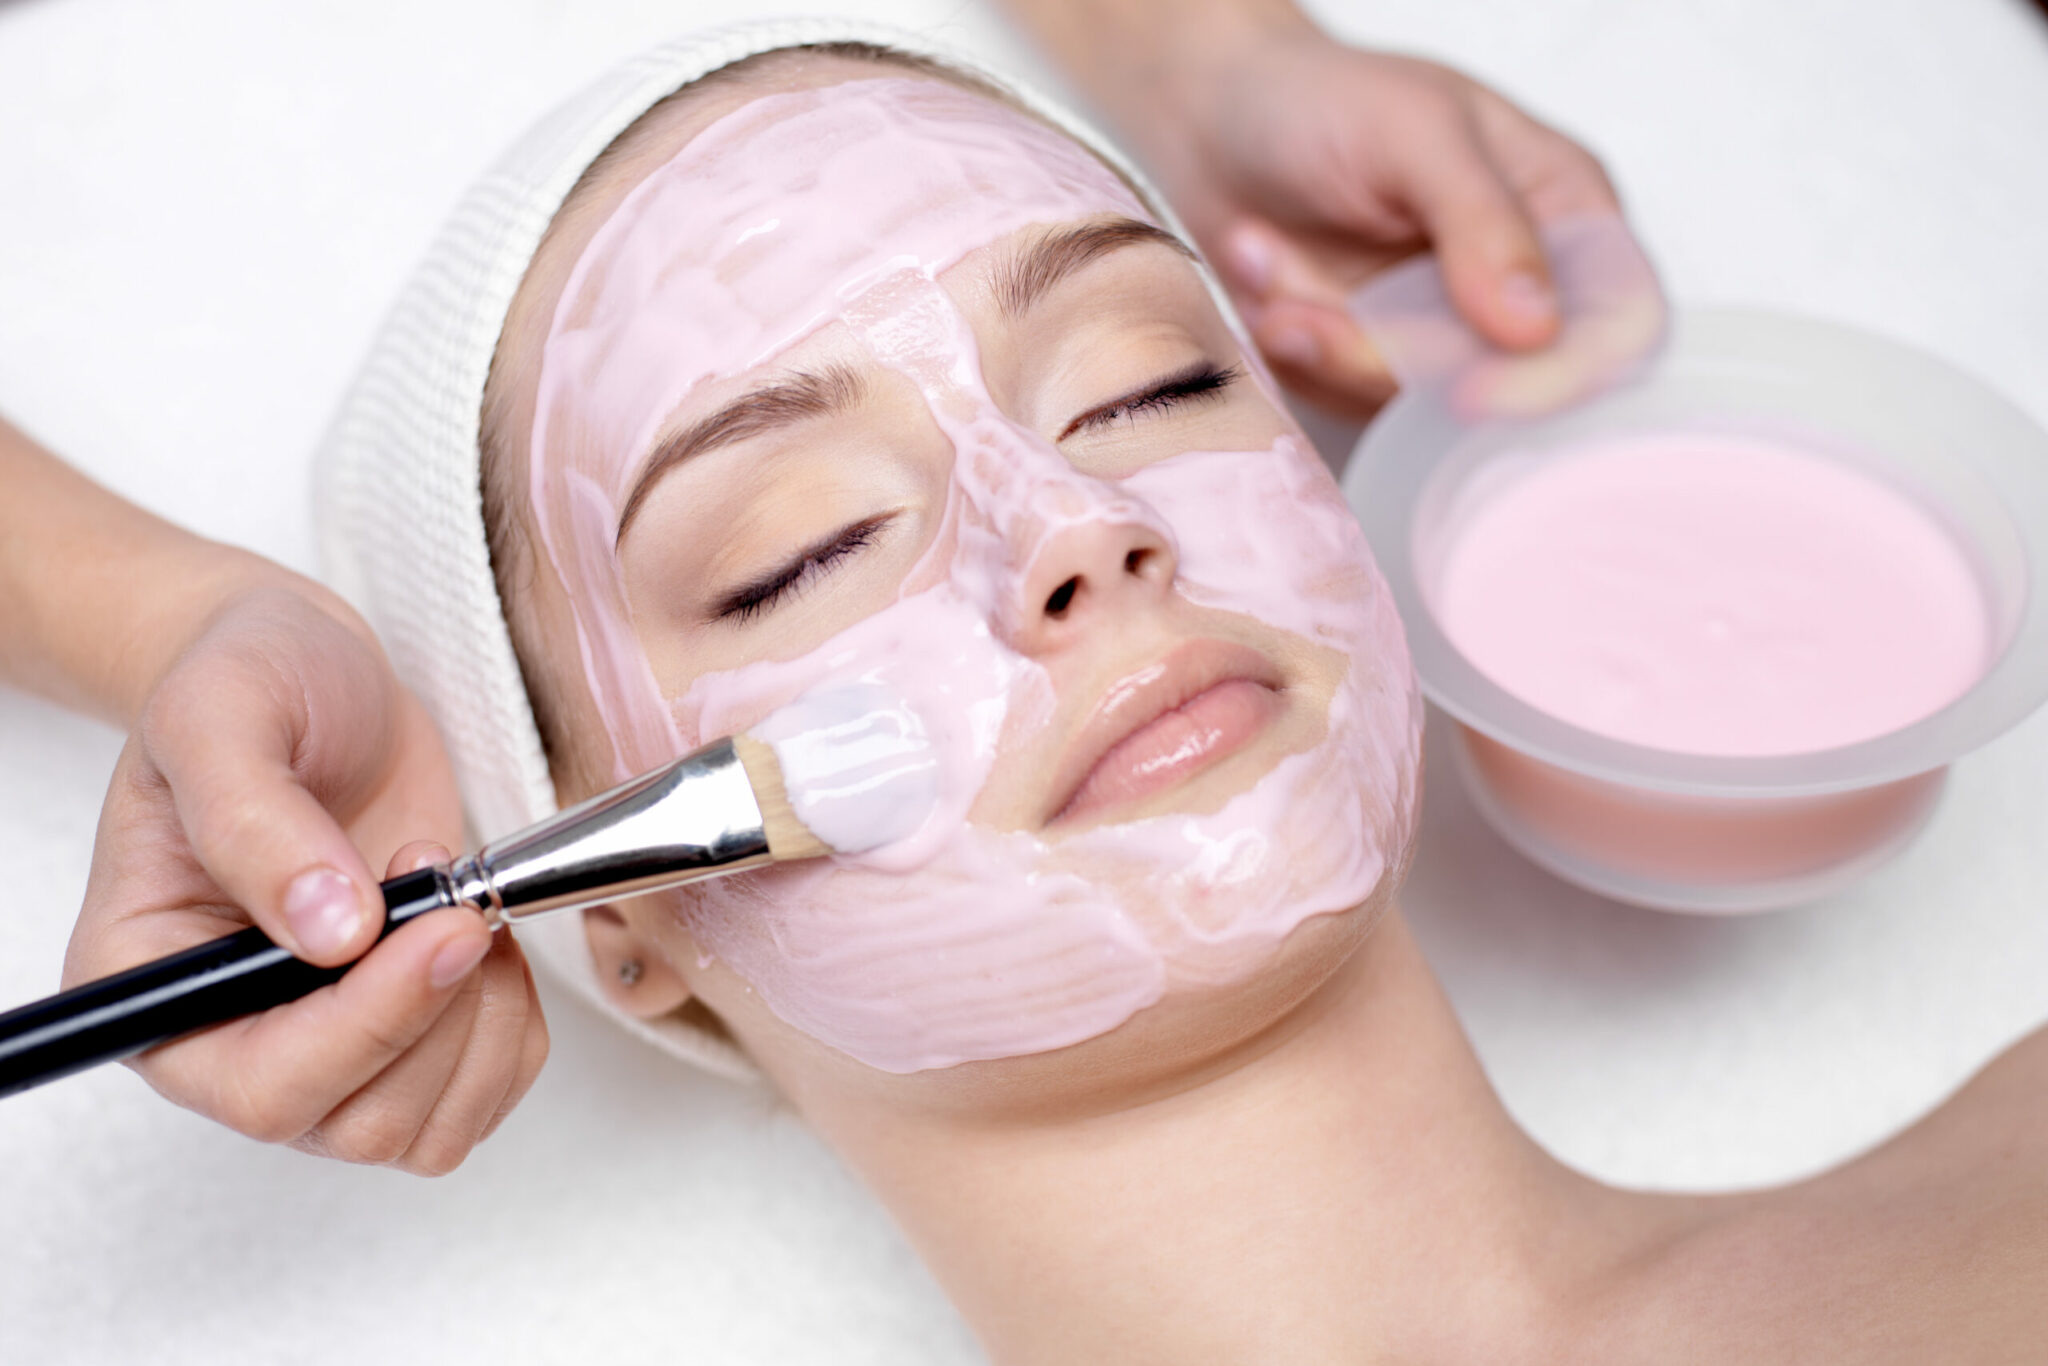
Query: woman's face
[(876, 387)]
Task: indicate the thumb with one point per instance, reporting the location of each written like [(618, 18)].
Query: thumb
[(224, 730), (1485, 242)]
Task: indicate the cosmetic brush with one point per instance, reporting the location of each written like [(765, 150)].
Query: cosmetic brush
[(720, 810)]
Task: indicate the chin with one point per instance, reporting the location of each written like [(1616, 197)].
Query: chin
[(1227, 995), (1189, 1036)]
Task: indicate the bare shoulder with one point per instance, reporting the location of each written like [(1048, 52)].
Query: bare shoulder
[(1931, 1247)]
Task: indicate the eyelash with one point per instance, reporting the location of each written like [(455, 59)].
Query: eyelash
[(751, 600), (1199, 381)]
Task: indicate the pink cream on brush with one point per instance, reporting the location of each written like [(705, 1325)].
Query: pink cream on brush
[(843, 206), (1712, 594)]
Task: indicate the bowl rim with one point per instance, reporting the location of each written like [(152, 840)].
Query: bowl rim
[(1401, 453)]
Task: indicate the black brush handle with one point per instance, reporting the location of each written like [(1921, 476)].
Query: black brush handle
[(225, 979)]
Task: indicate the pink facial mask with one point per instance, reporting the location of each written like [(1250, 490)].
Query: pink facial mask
[(953, 942)]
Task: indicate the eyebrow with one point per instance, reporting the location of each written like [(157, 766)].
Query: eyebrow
[(1019, 283), (1028, 276), (799, 398)]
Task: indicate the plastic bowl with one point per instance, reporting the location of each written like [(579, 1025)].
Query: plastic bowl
[(1708, 833)]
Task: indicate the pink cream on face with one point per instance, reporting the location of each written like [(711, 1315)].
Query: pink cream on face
[(1712, 594), (841, 206)]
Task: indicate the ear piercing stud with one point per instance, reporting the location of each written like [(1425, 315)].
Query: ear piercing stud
[(630, 972)]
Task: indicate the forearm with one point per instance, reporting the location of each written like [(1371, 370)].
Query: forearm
[(97, 596), (1137, 60)]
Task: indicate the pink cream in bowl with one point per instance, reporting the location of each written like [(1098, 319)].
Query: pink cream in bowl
[(1712, 637)]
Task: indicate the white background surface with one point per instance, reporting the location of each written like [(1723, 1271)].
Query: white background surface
[(206, 204)]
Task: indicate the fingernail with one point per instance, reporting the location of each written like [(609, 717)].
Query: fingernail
[(1295, 345), (1363, 361), (1251, 261), (1527, 296), (428, 856), (323, 911), (455, 961)]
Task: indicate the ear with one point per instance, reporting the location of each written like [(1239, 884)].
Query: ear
[(621, 953)]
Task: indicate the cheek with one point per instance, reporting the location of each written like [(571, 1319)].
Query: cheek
[(998, 945), (712, 537), (1267, 533)]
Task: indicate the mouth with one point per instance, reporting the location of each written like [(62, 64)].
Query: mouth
[(1161, 725)]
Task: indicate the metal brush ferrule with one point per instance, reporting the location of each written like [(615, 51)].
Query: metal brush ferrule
[(690, 819)]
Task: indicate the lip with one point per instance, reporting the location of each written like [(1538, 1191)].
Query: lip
[(1165, 722)]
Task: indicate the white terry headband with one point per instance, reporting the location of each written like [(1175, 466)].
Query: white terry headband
[(399, 504)]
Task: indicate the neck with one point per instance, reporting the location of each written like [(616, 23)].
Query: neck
[(1356, 1192)]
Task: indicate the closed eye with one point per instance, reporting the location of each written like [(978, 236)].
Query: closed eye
[(751, 600), (1196, 383)]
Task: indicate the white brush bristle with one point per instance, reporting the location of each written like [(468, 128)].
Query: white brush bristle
[(856, 765), (788, 837)]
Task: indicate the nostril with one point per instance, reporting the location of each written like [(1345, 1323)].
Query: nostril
[(1137, 560), (1062, 598)]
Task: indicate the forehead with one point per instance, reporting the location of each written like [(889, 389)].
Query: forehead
[(962, 136), (653, 139), (774, 218), (799, 199), (671, 125)]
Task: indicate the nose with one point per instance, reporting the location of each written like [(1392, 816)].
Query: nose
[(1086, 575)]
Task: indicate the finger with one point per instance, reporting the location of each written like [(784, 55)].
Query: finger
[(1591, 351), (274, 1076), (1493, 264), (425, 1112), (1262, 264), (410, 858), (1554, 176), (485, 1072), (1321, 354), (533, 1051), (376, 1124), (225, 731), (1298, 316)]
